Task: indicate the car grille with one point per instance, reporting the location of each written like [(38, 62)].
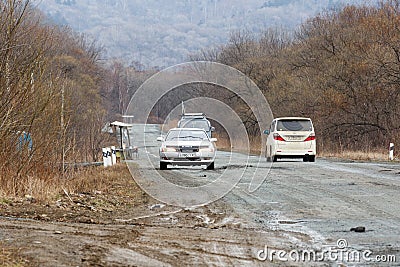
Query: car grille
[(188, 149)]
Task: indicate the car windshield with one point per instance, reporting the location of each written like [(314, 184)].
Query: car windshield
[(186, 135), (193, 123), (294, 125)]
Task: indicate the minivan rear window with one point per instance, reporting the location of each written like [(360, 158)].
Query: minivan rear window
[(193, 123), (294, 125)]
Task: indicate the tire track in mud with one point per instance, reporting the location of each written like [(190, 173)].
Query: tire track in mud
[(199, 246), (66, 244)]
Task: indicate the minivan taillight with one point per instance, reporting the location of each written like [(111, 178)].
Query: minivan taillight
[(311, 137), (277, 137)]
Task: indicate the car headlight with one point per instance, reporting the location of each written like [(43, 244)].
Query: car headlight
[(209, 148), (168, 149)]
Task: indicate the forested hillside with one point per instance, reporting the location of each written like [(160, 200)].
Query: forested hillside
[(163, 33)]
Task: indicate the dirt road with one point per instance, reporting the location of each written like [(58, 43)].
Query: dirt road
[(343, 213)]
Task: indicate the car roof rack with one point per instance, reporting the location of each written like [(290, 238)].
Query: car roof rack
[(193, 115)]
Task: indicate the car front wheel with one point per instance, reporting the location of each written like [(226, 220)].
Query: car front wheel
[(163, 165), (211, 166)]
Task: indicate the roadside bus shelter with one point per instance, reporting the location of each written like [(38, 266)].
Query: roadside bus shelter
[(123, 136)]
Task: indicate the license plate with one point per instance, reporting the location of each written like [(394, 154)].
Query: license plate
[(187, 155), (293, 138)]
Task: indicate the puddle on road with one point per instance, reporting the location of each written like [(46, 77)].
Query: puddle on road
[(236, 166), (16, 218), (289, 222)]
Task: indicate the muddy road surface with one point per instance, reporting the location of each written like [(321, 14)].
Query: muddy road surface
[(327, 213)]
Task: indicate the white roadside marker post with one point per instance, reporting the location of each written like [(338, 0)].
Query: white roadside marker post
[(391, 151), (109, 160), (105, 160), (113, 156)]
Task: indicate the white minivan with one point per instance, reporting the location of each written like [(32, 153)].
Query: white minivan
[(291, 137)]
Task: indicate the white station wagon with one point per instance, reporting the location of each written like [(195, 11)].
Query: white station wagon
[(291, 137)]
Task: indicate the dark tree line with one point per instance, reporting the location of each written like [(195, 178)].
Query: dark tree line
[(341, 68)]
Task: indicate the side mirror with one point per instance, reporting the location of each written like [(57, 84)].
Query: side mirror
[(212, 129), (160, 139), (266, 132), (213, 139)]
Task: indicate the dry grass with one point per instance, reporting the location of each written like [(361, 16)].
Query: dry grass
[(48, 188), (39, 186), (357, 155), (256, 146), (93, 179), (224, 144), (10, 257)]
